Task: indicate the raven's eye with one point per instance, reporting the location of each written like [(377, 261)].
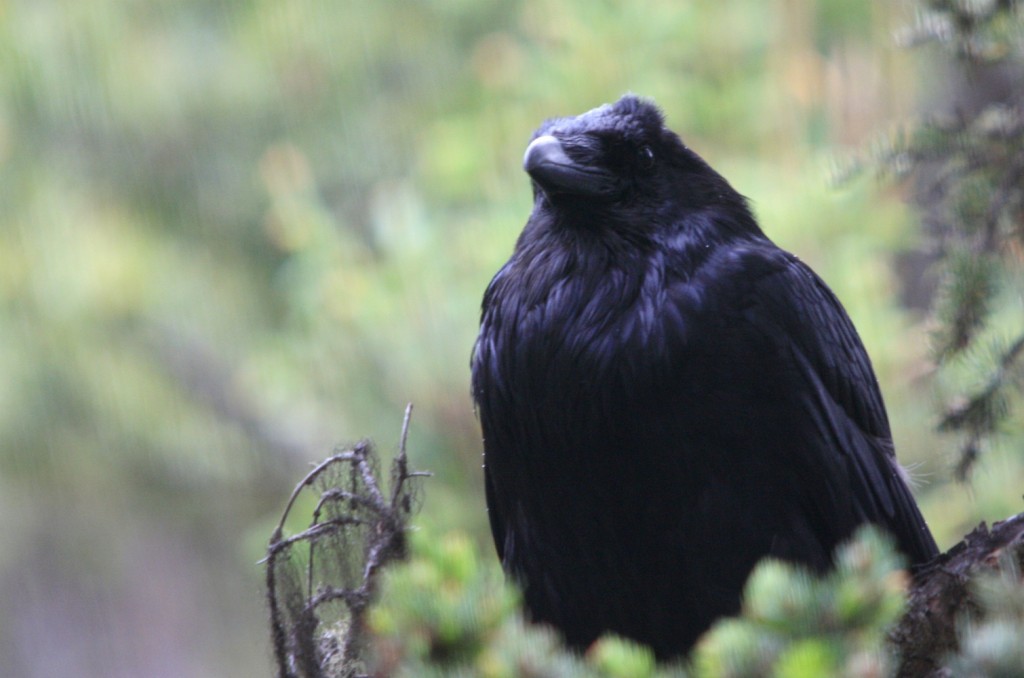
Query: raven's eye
[(646, 157)]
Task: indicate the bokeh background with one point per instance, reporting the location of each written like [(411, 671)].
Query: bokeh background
[(236, 234)]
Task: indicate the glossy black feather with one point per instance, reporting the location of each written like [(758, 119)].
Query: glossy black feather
[(666, 396)]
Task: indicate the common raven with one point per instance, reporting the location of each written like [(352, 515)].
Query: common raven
[(666, 396)]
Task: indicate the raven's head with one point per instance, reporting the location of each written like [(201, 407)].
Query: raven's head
[(621, 158)]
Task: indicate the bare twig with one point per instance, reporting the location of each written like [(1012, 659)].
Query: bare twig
[(356, 530)]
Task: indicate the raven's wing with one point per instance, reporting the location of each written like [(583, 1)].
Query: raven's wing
[(850, 464), (493, 517)]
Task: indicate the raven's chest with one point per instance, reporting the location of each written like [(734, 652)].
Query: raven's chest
[(576, 336)]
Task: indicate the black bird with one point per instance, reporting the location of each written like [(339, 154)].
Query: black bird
[(666, 397)]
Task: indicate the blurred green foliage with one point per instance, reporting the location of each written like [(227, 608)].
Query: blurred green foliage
[(233, 234), (991, 644), (964, 160), (795, 625), (446, 613)]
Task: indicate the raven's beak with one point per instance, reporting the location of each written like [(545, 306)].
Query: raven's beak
[(555, 172), (545, 150)]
